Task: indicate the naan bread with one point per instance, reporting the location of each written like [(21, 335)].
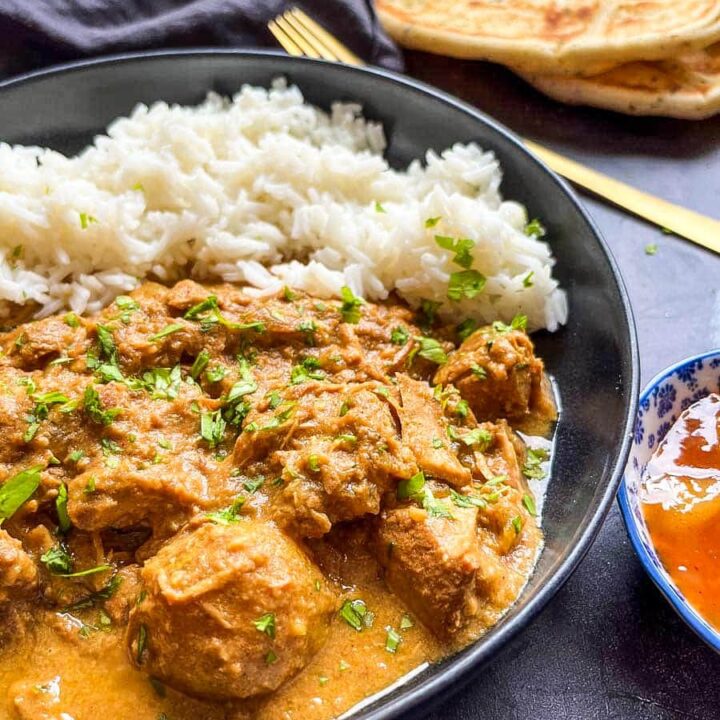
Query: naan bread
[(688, 87), (554, 36)]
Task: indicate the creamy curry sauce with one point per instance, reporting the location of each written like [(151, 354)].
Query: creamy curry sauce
[(681, 505), (223, 507)]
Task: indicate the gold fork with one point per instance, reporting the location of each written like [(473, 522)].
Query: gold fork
[(300, 35)]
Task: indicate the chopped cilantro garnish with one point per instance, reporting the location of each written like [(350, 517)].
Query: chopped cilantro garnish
[(350, 308), (108, 373), (61, 502), (466, 283), (354, 612), (379, 208), (86, 219), (477, 436), (412, 487), (212, 427), (431, 350), (90, 571), (529, 504), (288, 294), (167, 330), (162, 383), (478, 372), (392, 640), (462, 408), (266, 624), (17, 490), (109, 447), (141, 643), (271, 657), (308, 369), (432, 222), (517, 524), (309, 328), (211, 316), (209, 303), (466, 501), (533, 463), (527, 280), (215, 373), (199, 364), (519, 322), (254, 484), (72, 320), (535, 229), (94, 409), (460, 246), (399, 335), (435, 507), (274, 399), (43, 402), (228, 515), (57, 560), (313, 463)]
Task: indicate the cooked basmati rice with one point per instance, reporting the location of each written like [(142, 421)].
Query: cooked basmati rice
[(268, 190)]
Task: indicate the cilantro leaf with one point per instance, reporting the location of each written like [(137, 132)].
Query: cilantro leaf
[(350, 308), (18, 490), (460, 246), (466, 283)]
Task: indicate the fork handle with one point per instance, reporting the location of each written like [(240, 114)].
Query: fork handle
[(688, 224)]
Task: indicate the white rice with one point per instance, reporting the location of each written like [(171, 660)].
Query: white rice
[(268, 190)]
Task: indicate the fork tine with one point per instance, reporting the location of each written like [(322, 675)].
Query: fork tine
[(297, 38), (314, 40), (343, 53), (287, 44)]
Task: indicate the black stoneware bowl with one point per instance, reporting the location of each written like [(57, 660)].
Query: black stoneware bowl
[(594, 359)]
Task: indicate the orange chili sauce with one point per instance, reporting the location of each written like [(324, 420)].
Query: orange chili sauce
[(681, 504)]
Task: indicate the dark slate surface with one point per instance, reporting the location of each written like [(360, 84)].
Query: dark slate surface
[(608, 645)]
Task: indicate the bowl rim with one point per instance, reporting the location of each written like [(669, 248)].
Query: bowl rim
[(412, 701), (651, 565)]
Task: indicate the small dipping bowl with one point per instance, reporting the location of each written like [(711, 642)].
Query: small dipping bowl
[(661, 403)]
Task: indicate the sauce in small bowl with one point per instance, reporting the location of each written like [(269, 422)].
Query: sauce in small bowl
[(670, 496)]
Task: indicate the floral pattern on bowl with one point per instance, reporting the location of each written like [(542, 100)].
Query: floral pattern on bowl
[(661, 403)]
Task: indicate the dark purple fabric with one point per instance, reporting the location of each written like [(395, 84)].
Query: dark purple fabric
[(36, 33)]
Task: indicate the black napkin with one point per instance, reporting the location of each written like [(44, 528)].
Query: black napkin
[(36, 33)]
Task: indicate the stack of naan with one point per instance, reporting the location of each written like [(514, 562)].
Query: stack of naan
[(644, 57)]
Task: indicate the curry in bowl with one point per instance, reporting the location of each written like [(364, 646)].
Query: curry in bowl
[(220, 505)]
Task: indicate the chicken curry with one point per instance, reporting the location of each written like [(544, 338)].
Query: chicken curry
[(222, 506)]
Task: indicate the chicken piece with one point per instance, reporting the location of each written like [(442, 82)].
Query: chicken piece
[(144, 467), (468, 560), (497, 372), (431, 562), (34, 344), (229, 611), (335, 451), (18, 574), (424, 430)]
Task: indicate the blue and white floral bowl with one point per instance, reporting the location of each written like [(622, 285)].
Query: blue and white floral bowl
[(661, 403)]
